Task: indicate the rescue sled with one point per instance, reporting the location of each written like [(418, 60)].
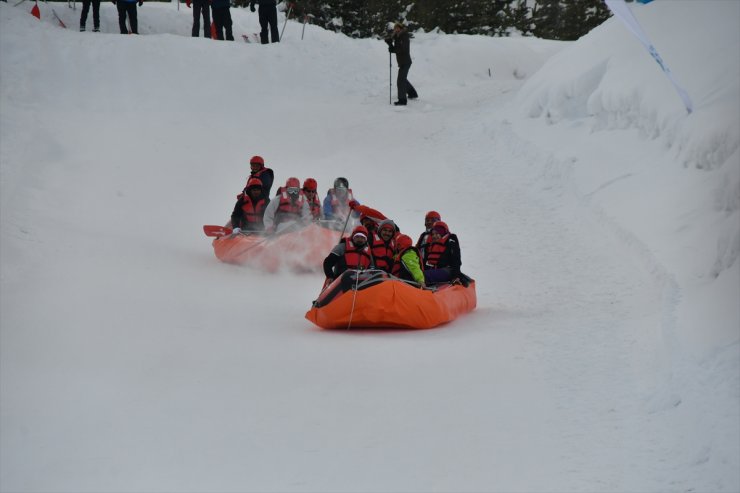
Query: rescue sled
[(374, 298), (300, 250)]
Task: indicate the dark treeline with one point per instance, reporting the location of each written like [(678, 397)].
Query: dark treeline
[(550, 19)]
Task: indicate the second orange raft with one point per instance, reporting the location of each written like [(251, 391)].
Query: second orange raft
[(301, 250)]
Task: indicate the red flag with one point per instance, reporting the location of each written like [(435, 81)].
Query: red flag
[(35, 11)]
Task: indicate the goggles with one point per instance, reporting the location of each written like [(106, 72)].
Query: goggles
[(293, 190)]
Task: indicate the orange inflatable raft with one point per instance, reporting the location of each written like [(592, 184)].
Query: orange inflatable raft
[(374, 298), (301, 250)]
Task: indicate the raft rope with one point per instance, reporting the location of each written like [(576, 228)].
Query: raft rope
[(354, 297)]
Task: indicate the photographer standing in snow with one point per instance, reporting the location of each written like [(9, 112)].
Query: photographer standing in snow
[(268, 19), (127, 8), (399, 43)]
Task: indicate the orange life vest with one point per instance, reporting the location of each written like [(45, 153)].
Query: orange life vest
[(315, 206), (356, 258), (434, 251), (383, 252), (288, 210), (424, 241), (253, 211)]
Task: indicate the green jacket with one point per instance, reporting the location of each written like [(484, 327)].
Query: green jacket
[(410, 261)]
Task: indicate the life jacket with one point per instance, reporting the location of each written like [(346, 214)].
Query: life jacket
[(356, 258), (315, 206), (435, 250), (260, 172), (266, 176), (340, 208), (253, 212), (382, 252), (288, 210), (400, 270), (424, 240)]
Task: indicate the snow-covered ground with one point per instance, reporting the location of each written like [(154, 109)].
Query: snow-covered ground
[(599, 219)]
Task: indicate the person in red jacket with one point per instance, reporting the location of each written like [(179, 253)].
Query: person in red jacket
[(310, 190), (369, 217), (351, 253), (250, 208)]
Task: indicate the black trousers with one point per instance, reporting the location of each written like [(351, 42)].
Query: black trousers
[(201, 7), (86, 9), (405, 89), (130, 9), (222, 20), (268, 20)]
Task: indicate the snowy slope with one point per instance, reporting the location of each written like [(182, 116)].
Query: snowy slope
[(599, 219)]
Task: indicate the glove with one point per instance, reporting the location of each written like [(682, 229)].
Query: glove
[(391, 49), (251, 7), (187, 2), (235, 232), (114, 1), (141, 3), (352, 204)]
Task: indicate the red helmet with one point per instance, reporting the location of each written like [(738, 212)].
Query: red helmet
[(254, 182), (433, 215), (440, 227), (257, 160), (360, 231), (310, 185), (403, 242), (293, 182)]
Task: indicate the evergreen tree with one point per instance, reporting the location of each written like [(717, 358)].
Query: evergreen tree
[(546, 18), (550, 19)]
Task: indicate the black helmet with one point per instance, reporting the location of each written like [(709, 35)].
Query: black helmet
[(341, 182)]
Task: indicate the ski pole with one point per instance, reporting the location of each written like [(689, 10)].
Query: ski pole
[(290, 8), (345, 224), (390, 78)]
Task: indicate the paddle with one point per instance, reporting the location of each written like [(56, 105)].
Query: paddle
[(216, 231)]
